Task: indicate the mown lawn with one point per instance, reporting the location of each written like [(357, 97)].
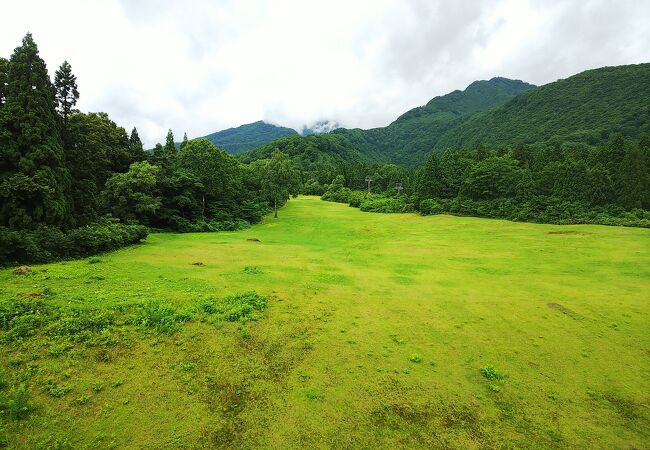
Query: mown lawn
[(378, 331)]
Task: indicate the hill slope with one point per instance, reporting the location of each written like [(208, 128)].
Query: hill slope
[(409, 138), (249, 136), (586, 107)]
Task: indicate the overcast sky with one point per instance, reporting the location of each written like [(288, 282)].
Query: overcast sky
[(200, 66)]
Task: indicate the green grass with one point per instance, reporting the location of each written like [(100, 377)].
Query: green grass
[(337, 329)]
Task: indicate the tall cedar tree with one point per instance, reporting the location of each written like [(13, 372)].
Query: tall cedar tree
[(136, 147), (429, 180), (65, 84), (34, 179), (185, 140), (170, 146)]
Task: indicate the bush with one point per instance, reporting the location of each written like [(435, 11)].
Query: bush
[(490, 373), (384, 205), (15, 404), (45, 244), (81, 324), (235, 307), (430, 206), (162, 318), (541, 209)]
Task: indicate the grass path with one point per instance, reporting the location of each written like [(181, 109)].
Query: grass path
[(375, 335)]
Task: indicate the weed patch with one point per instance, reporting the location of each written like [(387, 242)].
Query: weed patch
[(491, 373), (15, 404), (240, 306), (252, 270), (159, 317)]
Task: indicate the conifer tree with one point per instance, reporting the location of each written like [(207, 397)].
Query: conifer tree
[(34, 180), (136, 147), (185, 140), (430, 181), (170, 146), (65, 84)]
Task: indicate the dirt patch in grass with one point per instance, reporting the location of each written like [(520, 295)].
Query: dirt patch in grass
[(198, 263), (30, 295), (253, 239), (564, 310), (570, 232)]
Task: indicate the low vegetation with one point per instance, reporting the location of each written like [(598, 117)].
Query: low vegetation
[(321, 329)]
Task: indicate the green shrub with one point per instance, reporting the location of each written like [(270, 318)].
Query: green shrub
[(235, 307), (15, 404), (162, 318), (416, 358), (79, 324), (430, 206), (490, 373), (55, 390), (45, 244), (252, 270), (383, 205)]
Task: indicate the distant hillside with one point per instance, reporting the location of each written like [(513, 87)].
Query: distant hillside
[(415, 133), (586, 107), (249, 136)]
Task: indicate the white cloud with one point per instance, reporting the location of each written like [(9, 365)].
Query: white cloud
[(201, 65)]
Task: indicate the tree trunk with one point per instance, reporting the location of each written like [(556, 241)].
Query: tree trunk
[(203, 206), (275, 207)]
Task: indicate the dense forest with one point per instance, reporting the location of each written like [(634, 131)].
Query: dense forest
[(74, 184), (573, 183)]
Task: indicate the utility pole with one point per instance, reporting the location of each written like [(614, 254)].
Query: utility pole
[(369, 180), (398, 188)]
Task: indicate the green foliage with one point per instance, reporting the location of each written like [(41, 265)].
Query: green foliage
[(48, 243), (415, 358), (491, 373), (159, 317), (65, 85), (15, 404), (280, 179), (243, 305), (131, 196), (34, 180), (384, 205)]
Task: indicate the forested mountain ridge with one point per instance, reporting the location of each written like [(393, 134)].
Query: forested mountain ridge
[(411, 137), (248, 136), (586, 108)]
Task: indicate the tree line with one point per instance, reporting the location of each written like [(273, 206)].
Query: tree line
[(569, 183), (74, 183)]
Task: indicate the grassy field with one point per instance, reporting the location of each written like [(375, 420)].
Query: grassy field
[(378, 331)]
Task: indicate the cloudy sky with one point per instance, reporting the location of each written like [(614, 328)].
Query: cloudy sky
[(200, 66)]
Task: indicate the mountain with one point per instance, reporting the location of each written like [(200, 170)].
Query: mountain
[(414, 134), (249, 136), (585, 108), (323, 126)]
